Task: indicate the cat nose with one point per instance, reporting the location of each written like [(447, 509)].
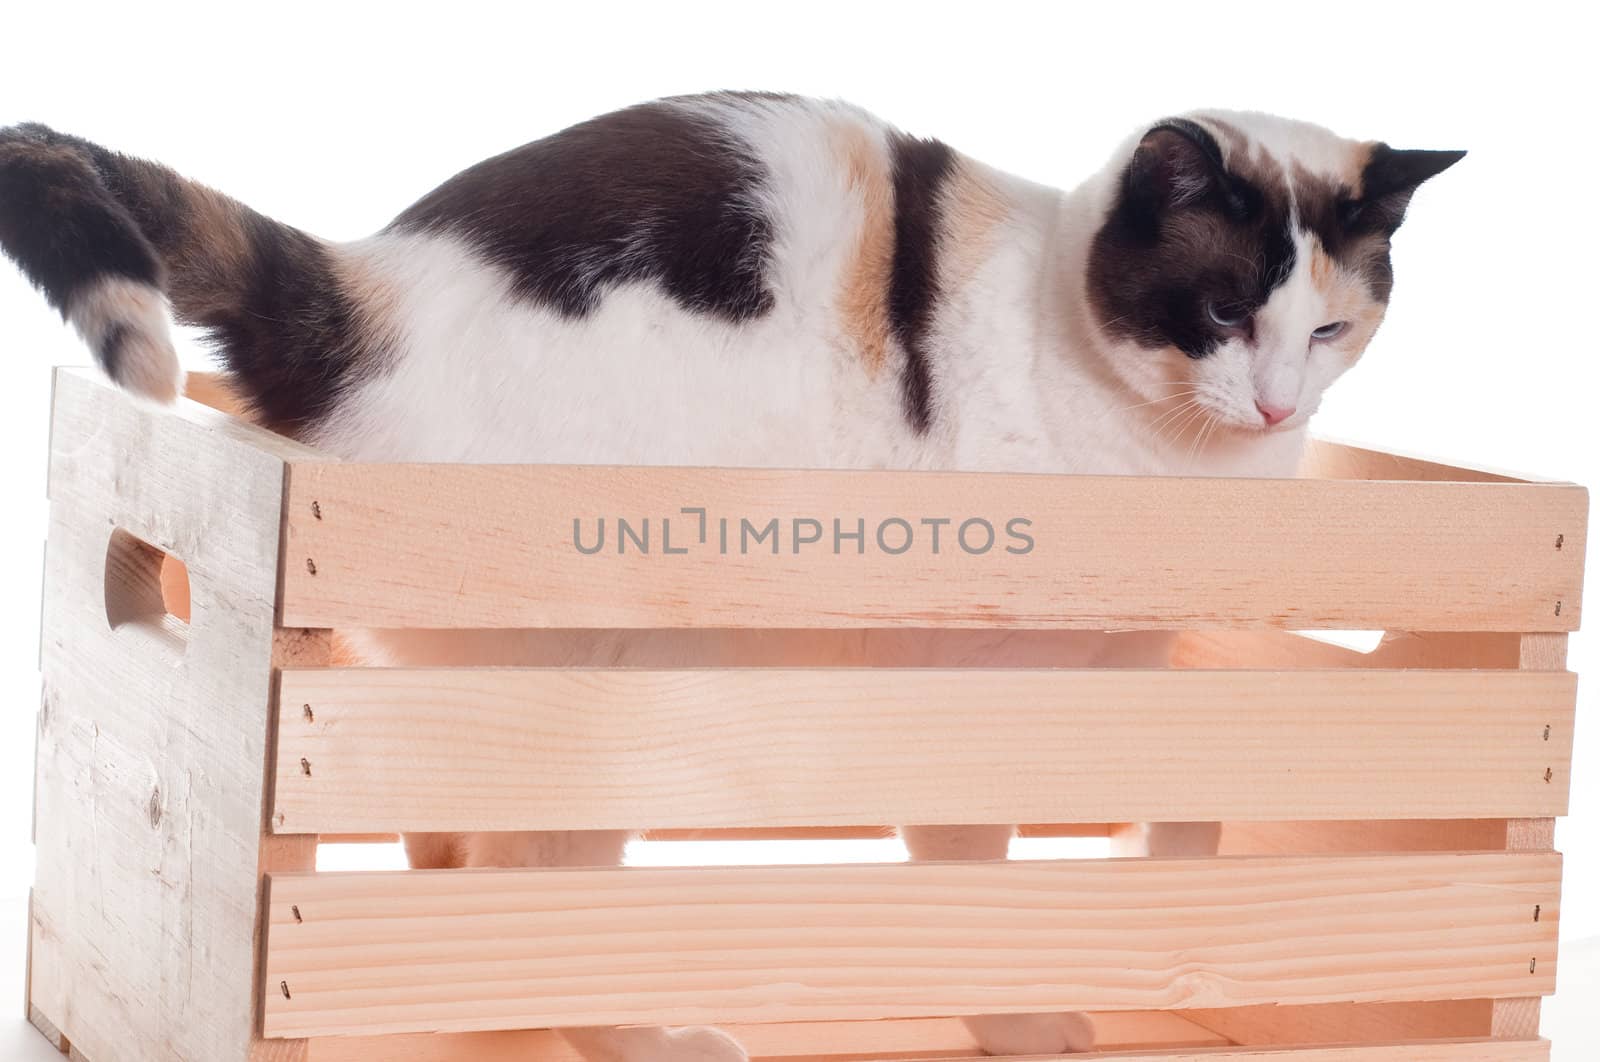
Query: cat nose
[(1274, 414)]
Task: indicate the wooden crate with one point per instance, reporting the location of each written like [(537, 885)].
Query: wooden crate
[(1386, 888)]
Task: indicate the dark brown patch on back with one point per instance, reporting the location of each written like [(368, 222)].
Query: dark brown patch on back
[(658, 192), (920, 171)]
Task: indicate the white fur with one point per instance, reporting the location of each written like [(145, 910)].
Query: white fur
[(147, 363)]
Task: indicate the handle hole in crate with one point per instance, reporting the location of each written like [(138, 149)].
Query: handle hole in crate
[(147, 590)]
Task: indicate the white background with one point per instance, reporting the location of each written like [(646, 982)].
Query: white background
[(335, 120)]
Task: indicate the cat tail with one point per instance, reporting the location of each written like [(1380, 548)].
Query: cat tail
[(117, 244)]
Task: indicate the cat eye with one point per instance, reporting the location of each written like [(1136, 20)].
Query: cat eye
[(1328, 331), (1227, 316)]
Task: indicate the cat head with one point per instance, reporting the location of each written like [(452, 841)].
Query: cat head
[(1243, 263)]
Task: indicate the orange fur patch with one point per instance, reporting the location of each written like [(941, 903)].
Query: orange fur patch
[(376, 299), (973, 207), (864, 281), (1322, 269), (1349, 299)]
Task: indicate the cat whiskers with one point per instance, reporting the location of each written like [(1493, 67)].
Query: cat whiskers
[(1179, 425), (1154, 401), (1198, 446), (1175, 416)]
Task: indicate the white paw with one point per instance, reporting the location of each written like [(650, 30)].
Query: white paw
[(127, 325), (652, 1044), (1032, 1034), (702, 1044)]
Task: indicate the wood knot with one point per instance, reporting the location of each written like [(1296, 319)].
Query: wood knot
[(311, 566), (311, 717), (316, 511), (1560, 541), (153, 808), (305, 766)]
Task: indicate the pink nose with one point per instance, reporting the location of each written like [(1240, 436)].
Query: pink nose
[(1274, 414)]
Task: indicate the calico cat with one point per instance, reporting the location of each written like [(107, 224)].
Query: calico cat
[(760, 280)]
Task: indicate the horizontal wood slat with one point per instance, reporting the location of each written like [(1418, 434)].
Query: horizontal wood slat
[(811, 1041), (855, 1045), (1458, 1051), (493, 546), (1327, 459), (460, 951), (375, 750)]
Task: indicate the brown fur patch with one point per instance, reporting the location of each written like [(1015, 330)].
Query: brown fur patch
[(1167, 253), (1361, 254), (210, 248), (864, 281)]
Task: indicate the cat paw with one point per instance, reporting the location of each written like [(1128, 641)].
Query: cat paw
[(653, 1044), (700, 1044), (1031, 1034)]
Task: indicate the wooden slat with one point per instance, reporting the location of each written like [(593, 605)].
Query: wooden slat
[(461, 951), (1362, 835), (812, 1041), (493, 546), (1442, 1019), (1456, 1051), (212, 389), (1519, 1018), (1327, 459), (544, 1047), (551, 748), (1398, 649), (152, 752)]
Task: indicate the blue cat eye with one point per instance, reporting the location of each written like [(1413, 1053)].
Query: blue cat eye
[(1328, 331)]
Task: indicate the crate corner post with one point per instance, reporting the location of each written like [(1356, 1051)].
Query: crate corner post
[(157, 652)]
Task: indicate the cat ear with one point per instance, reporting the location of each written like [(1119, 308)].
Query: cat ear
[(1387, 183), (1176, 163)]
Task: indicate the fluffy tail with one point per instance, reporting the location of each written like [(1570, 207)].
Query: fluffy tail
[(114, 242)]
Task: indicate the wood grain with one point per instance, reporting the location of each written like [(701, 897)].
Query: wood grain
[(555, 748), (1398, 649), (1327, 459), (460, 951), (152, 752), (493, 546), (811, 1041), (1518, 1019), (1443, 1019), (542, 1047)]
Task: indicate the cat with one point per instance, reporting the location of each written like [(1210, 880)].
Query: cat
[(760, 280)]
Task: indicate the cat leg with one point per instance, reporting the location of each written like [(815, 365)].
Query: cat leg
[(1175, 839), (577, 848), (999, 1034)]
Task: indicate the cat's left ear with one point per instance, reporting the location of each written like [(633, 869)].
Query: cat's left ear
[(1387, 183)]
